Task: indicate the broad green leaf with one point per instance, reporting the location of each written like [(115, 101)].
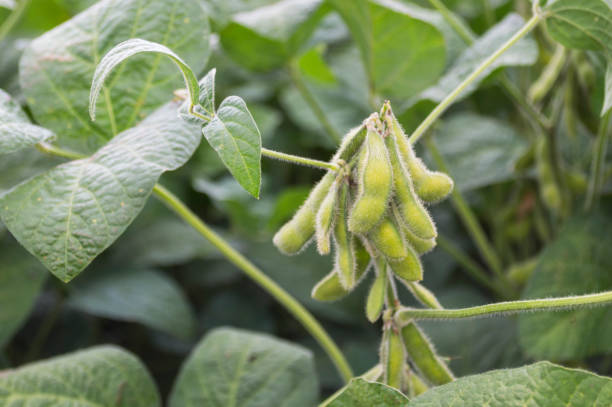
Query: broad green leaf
[(540, 384), (21, 279), (231, 368), (70, 214), (129, 48), (402, 53), (235, 137), (267, 37), (313, 66), (16, 131), (362, 393), (479, 151), (57, 68), (524, 52), (100, 376), (577, 262), (145, 296)]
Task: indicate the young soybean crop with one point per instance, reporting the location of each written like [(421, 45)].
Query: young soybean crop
[(305, 203)]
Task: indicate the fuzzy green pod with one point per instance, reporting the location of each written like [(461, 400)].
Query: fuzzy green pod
[(325, 218), (420, 246), (423, 295), (376, 296), (412, 212), (393, 357), (549, 189), (345, 261), (374, 178), (295, 234), (388, 240), (414, 384), (430, 186), (422, 354), (409, 268)]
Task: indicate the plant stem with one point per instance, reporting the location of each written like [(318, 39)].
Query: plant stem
[(506, 308), (58, 152), (318, 111), (469, 218), (294, 159), (269, 285), (442, 106), (13, 18), (597, 166)]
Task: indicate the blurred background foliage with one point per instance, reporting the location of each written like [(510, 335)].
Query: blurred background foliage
[(160, 287)]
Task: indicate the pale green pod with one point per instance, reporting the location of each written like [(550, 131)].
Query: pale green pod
[(413, 214), (388, 240), (325, 218), (549, 189), (423, 355), (423, 295), (409, 268), (420, 246), (295, 234), (351, 143), (430, 186), (393, 357), (374, 176), (376, 296), (344, 242), (414, 384)]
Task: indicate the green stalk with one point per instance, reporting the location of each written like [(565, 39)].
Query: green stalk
[(442, 106), (406, 315), (598, 163), (13, 18), (312, 102), (294, 159)]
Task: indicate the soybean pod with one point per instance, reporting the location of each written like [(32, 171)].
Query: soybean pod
[(326, 216), (344, 243), (393, 357)]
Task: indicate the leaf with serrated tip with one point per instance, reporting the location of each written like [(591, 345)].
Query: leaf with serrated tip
[(235, 137), (100, 376), (70, 214), (16, 131)]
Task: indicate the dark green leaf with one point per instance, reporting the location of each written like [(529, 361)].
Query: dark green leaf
[(540, 384), (265, 38), (101, 376), (57, 68), (70, 214), (21, 278), (231, 368), (16, 131), (578, 262), (402, 53), (479, 151), (145, 296), (235, 137), (362, 393)]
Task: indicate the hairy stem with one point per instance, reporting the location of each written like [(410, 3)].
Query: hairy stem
[(442, 106), (13, 18), (294, 159), (406, 315), (598, 163), (269, 285), (312, 102)]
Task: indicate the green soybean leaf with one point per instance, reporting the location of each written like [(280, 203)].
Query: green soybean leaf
[(362, 393), (235, 137), (267, 37), (128, 49), (146, 296), (206, 102), (56, 69), (524, 52), (540, 384), (478, 150), (21, 279), (231, 368), (402, 53), (70, 214), (577, 262), (16, 131), (100, 376)]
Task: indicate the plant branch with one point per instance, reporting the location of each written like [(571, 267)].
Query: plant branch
[(406, 315), (294, 159), (598, 163), (13, 18), (296, 77), (442, 106)]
